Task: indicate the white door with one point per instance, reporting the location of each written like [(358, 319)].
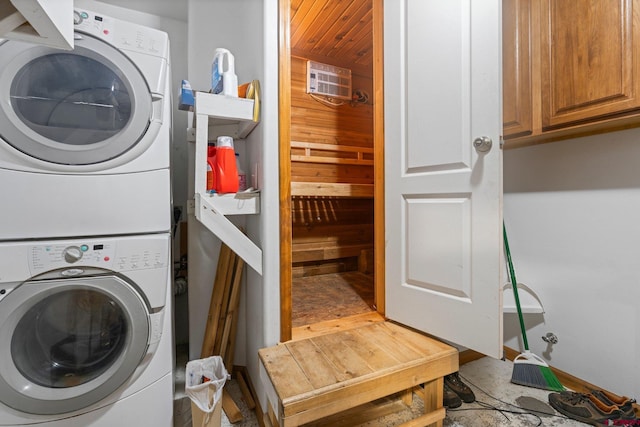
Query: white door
[(443, 197)]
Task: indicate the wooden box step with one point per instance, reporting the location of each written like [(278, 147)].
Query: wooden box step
[(312, 378)]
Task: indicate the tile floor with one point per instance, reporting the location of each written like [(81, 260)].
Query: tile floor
[(499, 402)]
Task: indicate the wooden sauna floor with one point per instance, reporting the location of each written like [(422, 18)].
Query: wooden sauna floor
[(331, 296)]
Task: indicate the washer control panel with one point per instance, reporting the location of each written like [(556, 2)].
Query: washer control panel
[(112, 254), (51, 256)]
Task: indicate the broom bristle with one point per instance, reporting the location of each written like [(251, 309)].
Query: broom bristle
[(553, 383), (535, 376)]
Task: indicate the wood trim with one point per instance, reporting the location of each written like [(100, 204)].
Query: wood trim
[(566, 379), (308, 158), (312, 154), (284, 123), (378, 157), (329, 189), (467, 356), (337, 325), (613, 124)]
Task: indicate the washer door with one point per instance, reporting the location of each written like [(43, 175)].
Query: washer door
[(77, 107), (68, 343)]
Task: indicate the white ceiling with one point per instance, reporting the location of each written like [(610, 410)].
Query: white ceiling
[(175, 9)]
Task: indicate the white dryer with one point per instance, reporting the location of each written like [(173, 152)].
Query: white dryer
[(85, 327), (85, 134)]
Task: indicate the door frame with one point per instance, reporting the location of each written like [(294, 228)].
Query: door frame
[(284, 124)]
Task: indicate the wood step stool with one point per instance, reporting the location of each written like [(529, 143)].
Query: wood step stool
[(313, 378)]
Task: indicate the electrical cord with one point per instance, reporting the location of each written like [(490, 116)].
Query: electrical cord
[(326, 101), (488, 407)]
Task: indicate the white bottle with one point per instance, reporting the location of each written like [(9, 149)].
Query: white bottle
[(224, 81), (242, 177)]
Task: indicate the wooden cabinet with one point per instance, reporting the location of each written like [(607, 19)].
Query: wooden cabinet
[(571, 68), (516, 68)]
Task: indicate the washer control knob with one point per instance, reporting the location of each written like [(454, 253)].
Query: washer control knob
[(72, 254)]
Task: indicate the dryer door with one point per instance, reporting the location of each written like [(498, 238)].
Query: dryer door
[(77, 107), (68, 343)]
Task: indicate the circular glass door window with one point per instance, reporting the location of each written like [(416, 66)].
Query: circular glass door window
[(80, 107), (69, 338), (71, 99), (70, 342)]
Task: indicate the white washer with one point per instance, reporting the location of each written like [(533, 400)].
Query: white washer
[(85, 326), (85, 134)]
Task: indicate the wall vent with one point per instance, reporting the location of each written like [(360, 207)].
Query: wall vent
[(329, 80)]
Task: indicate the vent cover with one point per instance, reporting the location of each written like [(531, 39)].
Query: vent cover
[(323, 79)]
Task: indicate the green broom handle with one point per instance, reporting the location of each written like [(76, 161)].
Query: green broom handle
[(512, 274)]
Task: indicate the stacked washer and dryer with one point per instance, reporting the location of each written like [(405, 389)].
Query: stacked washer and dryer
[(85, 246)]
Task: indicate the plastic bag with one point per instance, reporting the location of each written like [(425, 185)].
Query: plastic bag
[(204, 381)]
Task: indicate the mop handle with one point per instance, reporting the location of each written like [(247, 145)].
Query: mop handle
[(514, 284)]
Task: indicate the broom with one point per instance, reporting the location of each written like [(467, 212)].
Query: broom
[(528, 369)]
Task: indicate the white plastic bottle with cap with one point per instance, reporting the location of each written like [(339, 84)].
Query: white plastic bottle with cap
[(242, 177), (224, 81)]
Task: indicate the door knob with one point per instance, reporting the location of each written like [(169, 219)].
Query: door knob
[(482, 144)]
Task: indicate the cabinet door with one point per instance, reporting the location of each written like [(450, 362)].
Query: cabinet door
[(589, 59), (516, 68), (443, 218)]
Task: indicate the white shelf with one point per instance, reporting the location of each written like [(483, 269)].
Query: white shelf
[(227, 115), (529, 301), (234, 203), (223, 115), (209, 215)]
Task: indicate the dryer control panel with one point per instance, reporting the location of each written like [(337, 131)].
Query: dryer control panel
[(147, 47), (124, 35)]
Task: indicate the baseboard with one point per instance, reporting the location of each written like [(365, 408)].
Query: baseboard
[(566, 379), (467, 356)]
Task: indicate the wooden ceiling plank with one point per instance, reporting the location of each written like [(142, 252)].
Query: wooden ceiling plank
[(331, 28), (362, 50), (360, 39), (346, 22), (323, 21), (354, 24), (300, 26)]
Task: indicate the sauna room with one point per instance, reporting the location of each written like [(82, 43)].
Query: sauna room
[(331, 162)]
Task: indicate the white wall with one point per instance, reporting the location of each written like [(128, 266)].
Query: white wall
[(248, 28), (572, 211)]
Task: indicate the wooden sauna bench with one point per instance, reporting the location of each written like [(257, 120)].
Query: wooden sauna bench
[(339, 155), (313, 378), (319, 166)]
